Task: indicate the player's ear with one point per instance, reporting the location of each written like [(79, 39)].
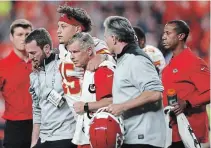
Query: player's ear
[(47, 50), (181, 36), (114, 39), (90, 51), (11, 37), (78, 29)]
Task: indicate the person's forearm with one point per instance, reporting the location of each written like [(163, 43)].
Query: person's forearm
[(197, 99), (35, 134), (93, 106), (144, 98)]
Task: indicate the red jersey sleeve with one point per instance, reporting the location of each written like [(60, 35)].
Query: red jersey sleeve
[(201, 79), (103, 51), (103, 82)]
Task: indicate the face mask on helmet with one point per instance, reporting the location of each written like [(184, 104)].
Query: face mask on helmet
[(106, 131)]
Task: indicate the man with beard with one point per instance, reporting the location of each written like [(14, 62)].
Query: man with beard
[(53, 121)]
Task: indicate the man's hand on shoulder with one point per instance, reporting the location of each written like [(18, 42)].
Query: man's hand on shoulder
[(95, 62)]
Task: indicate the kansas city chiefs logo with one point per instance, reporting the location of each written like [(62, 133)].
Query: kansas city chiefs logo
[(92, 88)]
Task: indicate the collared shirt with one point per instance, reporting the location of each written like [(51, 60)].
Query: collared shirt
[(14, 84), (135, 73), (190, 77), (55, 123)]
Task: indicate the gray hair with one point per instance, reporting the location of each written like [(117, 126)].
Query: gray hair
[(85, 40), (121, 28)]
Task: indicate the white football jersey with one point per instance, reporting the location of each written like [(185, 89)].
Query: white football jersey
[(88, 95), (72, 76)]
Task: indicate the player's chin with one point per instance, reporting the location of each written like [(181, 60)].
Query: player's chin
[(166, 47), (77, 65), (21, 49), (61, 41)]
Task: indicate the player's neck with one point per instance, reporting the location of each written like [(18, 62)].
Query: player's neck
[(120, 47), (179, 49), (90, 57), (21, 54)]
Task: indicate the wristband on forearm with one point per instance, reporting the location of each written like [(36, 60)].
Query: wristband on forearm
[(86, 107)]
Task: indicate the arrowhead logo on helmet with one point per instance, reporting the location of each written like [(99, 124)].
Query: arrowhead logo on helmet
[(106, 130)]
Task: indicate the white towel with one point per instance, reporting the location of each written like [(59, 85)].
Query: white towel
[(185, 130), (81, 133), (168, 127)]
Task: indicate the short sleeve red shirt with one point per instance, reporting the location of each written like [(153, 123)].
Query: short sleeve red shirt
[(103, 82), (14, 85), (190, 77)]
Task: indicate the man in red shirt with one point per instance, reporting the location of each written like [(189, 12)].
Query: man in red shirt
[(190, 77), (96, 88), (14, 85)]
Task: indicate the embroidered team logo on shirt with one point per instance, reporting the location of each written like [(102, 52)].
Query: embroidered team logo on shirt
[(175, 70)]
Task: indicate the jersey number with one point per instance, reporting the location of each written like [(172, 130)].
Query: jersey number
[(71, 84)]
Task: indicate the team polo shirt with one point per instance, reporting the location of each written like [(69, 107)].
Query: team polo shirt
[(14, 84), (190, 77)]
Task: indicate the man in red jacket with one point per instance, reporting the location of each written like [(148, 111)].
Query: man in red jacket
[(14, 86), (190, 77)]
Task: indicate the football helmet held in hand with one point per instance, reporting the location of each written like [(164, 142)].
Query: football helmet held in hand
[(106, 130)]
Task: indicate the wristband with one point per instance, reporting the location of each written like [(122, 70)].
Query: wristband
[(86, 107)]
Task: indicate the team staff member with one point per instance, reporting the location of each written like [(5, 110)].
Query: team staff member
[(96, 88), (190, 77), (53, 121), (137, 88), (14, 86)]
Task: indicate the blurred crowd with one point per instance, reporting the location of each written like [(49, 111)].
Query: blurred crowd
[(151, 16)]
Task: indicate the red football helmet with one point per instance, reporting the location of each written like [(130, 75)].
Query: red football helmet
[(106, 130)]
